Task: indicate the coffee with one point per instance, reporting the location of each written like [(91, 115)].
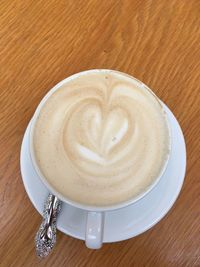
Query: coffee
[(101, 139)]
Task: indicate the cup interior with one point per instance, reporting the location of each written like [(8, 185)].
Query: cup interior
[(69, 201)]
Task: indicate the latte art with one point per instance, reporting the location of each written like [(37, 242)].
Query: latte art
[(101, 138)]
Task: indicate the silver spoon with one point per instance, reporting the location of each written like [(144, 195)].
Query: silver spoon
[(45, 238)]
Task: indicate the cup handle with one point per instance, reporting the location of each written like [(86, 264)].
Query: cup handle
[(94, 229)]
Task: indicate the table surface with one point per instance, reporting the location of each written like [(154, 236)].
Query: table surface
[(41, 43)]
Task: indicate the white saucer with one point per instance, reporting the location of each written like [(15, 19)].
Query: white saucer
[(124, 223)]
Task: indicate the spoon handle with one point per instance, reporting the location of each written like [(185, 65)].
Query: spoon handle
[(45, 238)]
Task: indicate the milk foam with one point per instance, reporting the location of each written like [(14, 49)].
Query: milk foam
[(101, 138)]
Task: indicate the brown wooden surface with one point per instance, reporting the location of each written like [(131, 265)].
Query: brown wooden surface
[(42, 42)]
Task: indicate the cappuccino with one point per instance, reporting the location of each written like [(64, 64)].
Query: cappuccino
[(101, 138)]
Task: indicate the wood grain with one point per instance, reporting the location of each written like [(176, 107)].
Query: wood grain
[(42, 42)]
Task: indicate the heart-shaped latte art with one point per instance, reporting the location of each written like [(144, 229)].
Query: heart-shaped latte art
[(101, 133)]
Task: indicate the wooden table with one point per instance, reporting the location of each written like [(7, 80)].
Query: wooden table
[(42, 42)]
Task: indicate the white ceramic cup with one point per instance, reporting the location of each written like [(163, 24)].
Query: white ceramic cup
[(95, 214)]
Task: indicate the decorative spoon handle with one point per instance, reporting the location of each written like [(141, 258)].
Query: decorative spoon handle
[(45, 238)]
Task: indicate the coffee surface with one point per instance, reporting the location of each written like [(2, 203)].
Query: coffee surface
[(101, 138)]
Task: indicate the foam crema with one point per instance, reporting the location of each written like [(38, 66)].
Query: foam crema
[(101, 139)]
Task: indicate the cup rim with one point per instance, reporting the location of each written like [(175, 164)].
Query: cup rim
[(77, 204)]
